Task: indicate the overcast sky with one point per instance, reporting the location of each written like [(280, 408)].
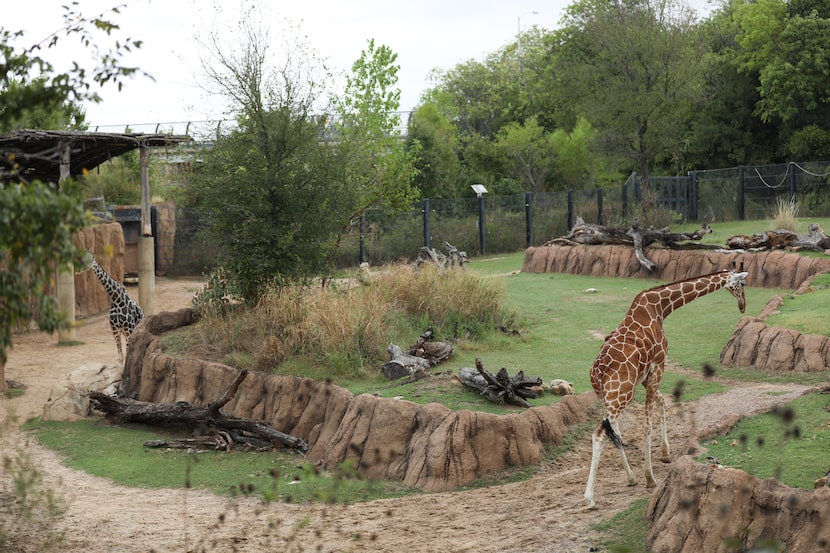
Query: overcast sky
[(426, 35)]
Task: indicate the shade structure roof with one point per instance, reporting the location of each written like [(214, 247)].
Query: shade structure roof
[(28, 155)]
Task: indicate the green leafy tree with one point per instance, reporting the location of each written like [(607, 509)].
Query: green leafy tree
[(725, 129), (378, 167), (632, 68), (439, 166), (37, 220), (530, 153), (269, 189)]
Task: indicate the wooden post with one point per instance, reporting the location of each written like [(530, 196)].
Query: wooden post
[(146, 250), (65, 280)]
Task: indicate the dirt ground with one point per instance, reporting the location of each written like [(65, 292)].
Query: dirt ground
[(544, 514)]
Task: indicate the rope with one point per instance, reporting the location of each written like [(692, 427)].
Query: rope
[(822, 175), (763, 180)]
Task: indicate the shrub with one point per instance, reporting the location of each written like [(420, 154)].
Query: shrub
[(346, 327)]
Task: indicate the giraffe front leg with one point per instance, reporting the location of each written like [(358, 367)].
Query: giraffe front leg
[(597, 443), (649, 471)]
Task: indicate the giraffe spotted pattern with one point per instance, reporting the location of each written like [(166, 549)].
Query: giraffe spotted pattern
[(635, 353), (125, 313)]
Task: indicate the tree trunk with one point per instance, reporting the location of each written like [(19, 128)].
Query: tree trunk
[(233, 430)]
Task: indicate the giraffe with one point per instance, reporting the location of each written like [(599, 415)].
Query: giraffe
[(635, 353), (125, 313)]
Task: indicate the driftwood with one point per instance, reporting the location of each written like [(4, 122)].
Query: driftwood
[(781, 239), (415, 363), (500, 388), (223, 432), (434, 352), (453, 258), (634, 236)]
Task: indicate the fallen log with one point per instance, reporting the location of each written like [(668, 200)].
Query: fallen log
[(814, 240), (500, 388), (588, 234), (233, 430)]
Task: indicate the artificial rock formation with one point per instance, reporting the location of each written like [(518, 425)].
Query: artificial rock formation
[(720, 510), (69, 401), (768, 269), (428, 446), (754, 344)]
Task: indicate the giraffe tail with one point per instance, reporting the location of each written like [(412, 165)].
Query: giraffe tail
[(613, 436)]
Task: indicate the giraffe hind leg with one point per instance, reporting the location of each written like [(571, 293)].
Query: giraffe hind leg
[(665, 452), (614, 428), (116, 333)]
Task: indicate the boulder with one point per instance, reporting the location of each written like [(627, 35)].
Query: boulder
[(769, 269), (719, 510), (68, 399)]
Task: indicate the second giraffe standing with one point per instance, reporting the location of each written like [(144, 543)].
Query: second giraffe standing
[(125, 313), (635, 353)]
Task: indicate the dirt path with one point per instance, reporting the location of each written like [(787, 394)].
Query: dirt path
[(544, 514)]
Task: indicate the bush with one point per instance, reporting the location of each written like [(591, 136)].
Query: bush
[(345, 327)]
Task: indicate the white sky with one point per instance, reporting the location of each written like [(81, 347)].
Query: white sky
[(426, 35)]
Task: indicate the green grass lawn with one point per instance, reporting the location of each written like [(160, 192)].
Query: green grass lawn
[(561, 327)]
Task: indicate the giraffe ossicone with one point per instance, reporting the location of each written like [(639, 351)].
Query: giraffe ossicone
[(125, 313), (635, 353)]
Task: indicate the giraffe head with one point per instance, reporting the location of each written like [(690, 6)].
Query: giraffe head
[(735, 283)]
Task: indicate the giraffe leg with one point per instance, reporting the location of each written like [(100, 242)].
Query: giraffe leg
[(597, 443), (628, 472), (650, 398), (665, 453), (116, 333)]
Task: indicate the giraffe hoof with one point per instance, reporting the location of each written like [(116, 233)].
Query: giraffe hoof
[(665, 459)]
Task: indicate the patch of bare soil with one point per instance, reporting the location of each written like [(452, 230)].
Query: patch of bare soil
[(544, 514)]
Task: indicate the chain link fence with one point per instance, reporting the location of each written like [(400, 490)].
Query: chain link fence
[(514, 222)]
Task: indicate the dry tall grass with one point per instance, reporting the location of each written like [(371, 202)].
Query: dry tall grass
[(786, 215), (349, 328)]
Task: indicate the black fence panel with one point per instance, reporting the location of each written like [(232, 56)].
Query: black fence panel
[(512, 222)]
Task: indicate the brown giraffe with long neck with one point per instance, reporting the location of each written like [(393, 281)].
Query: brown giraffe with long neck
[(635, 353)]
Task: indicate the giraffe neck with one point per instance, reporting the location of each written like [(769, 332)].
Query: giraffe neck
[(662, 300), (112, 286)]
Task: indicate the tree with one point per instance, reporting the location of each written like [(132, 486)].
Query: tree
[(378, 167), (632, 68), (37, 220), (269, 188), (529, 149), (439, 166)]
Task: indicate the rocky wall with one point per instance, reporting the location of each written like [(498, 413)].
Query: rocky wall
[(769, 269), (428, 446), (754, 344), (720, 510)]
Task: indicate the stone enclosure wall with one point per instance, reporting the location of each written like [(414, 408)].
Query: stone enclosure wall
[(772, 269), (428, 446)]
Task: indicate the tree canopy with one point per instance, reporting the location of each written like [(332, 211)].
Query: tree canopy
[(38, 220)]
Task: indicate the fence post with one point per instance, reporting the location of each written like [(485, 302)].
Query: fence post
[(482, 235), (570, 209), (740, 192), (636, 180), (528, 218), (624, 194), (792, 181), (693, 195), (363, 257), (427, 232), (599, 207)]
